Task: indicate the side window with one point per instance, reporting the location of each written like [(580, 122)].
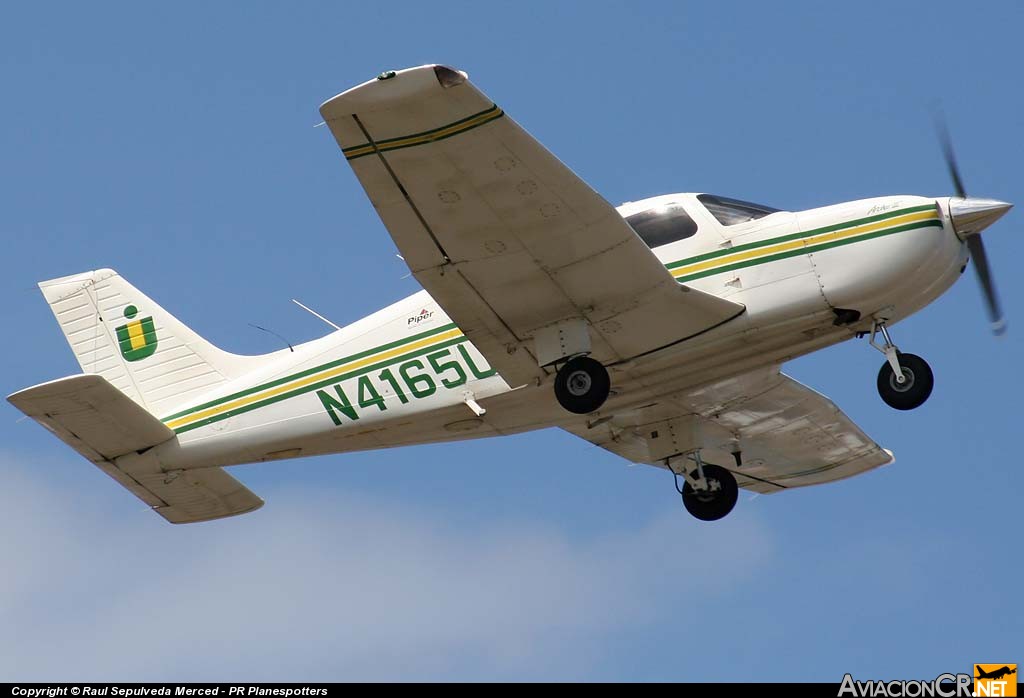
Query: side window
[(732, 211), (662, 225)]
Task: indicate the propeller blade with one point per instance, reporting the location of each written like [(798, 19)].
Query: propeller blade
[(988, 289), (947, 151)]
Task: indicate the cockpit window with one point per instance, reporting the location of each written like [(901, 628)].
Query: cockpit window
[(662, 224), (732, 211)]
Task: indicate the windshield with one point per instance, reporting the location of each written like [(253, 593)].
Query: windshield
[(732, 211), (663, 224)]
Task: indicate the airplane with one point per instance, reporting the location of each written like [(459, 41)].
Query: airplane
[(655, 330), (996, 674)]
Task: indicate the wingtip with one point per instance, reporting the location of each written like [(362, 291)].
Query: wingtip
[(390, 87), (449, 77)]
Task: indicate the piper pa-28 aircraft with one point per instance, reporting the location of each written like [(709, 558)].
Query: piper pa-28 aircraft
[(655, 330)]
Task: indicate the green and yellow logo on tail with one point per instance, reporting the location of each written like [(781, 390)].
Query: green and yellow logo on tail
[(137, 337)]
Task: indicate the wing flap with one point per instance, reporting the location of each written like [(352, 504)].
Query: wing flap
[(107, 427)]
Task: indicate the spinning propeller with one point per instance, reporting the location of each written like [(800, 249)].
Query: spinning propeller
[(971, 216)]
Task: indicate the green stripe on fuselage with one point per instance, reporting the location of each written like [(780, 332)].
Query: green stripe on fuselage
[(318, 385), (422, 335), (803, 250), (797, 236), (310, 371)]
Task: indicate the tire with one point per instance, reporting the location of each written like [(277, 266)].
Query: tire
[(914, 391), (582, 385), (716, 504)]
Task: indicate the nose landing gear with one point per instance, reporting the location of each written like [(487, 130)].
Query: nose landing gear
[(905, 380)]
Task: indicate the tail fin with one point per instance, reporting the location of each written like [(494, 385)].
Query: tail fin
[(117, 332)]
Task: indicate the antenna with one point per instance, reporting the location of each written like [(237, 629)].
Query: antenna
[(314, 313), (290, 347), (403, 259)]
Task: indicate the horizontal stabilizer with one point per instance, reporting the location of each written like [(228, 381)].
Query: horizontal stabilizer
[(92, 416), (104, 425), (190, 496)]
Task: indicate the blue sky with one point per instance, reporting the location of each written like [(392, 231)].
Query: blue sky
[(176, 143)]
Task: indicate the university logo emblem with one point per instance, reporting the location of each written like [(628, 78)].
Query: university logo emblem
[(137, 338)]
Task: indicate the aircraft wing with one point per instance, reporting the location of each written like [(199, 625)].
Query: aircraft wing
[(788, 434), (502, 234), (103, 424)]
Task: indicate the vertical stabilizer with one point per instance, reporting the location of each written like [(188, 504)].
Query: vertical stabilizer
[(117, 332)]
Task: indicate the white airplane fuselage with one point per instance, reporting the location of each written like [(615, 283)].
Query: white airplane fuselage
[(403, 375)]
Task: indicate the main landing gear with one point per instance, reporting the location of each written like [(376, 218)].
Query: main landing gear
[(905, 380), (582, 385), (709, 491)]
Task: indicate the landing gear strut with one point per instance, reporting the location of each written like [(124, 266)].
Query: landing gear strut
[(709, 492), (582, 385), (905, 380)]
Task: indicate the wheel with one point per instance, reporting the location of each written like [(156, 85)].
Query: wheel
[(715, 502), (582, 385), (914, 390)]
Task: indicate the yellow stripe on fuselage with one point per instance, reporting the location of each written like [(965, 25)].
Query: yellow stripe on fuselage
[(804, 242), (138, 339), (315, 378)]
